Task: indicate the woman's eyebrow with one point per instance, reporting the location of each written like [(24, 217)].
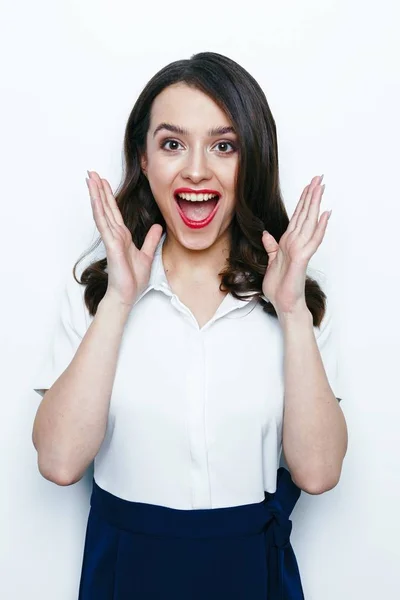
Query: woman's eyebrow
[(182, 131)]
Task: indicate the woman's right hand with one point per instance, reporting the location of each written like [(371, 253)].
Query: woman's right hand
[(128, 267)]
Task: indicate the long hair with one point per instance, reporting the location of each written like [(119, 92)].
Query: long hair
[(259, 203)]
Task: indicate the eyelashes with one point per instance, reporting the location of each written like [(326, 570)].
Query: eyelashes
[(164, 143)]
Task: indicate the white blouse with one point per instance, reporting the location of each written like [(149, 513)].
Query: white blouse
[(196, 414)]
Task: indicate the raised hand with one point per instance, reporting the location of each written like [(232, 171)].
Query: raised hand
[(128, 267), (284, 280)]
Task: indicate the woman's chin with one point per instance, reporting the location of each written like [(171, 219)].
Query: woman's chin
[(198, 239)]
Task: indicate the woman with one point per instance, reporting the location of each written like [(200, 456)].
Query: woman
[(180, 347)]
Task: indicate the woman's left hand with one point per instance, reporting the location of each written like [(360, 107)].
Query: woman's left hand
[(284, 280)]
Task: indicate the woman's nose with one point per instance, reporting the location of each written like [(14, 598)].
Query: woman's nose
[(196, 166)]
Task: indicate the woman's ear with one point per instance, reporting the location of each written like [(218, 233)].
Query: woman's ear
[(143, 164)]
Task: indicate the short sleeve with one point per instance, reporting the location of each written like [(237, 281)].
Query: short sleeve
[(71, 325), (326, 337)]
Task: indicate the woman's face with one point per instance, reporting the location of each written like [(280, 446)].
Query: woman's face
[(183, 153)]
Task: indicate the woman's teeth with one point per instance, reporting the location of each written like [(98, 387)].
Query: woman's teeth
[(197, 197)]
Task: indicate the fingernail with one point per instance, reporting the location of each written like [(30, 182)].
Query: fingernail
[(329, 214), (88, 172), (321, 178)]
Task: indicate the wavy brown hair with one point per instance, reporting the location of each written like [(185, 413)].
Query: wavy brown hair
[(259, 203)]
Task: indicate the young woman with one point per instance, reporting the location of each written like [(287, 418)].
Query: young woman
[(195, 348)]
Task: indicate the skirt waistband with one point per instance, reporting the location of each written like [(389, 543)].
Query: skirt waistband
[(249, 519), (151, 519)]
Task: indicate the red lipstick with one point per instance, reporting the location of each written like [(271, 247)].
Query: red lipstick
[(189, 222)]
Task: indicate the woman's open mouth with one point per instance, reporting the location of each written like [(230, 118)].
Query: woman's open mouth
[(197, 210)]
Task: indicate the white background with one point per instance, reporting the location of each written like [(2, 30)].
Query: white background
[(70, 74)]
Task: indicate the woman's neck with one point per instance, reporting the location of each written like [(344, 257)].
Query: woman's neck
[(199, 266)]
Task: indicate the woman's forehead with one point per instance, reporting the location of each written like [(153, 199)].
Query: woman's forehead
[(189, 109)]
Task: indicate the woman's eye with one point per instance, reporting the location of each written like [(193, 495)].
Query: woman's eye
[(163, 145), (233, 147)]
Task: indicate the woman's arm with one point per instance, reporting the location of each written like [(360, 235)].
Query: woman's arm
[(314, 428), (71, 420)]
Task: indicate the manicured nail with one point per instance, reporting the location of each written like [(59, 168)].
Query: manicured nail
[(88, 172), (321, 178), (329, 214)]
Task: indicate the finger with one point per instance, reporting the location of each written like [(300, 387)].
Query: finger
[(307, 201), (319, 233), (99, 182), (310, 222), (112, 203), (107, 208), (300, 207), (269, 242), (152, 239), (293, 220), (100, 218)]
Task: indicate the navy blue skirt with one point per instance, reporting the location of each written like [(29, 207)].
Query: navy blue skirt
[(139, 551)]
